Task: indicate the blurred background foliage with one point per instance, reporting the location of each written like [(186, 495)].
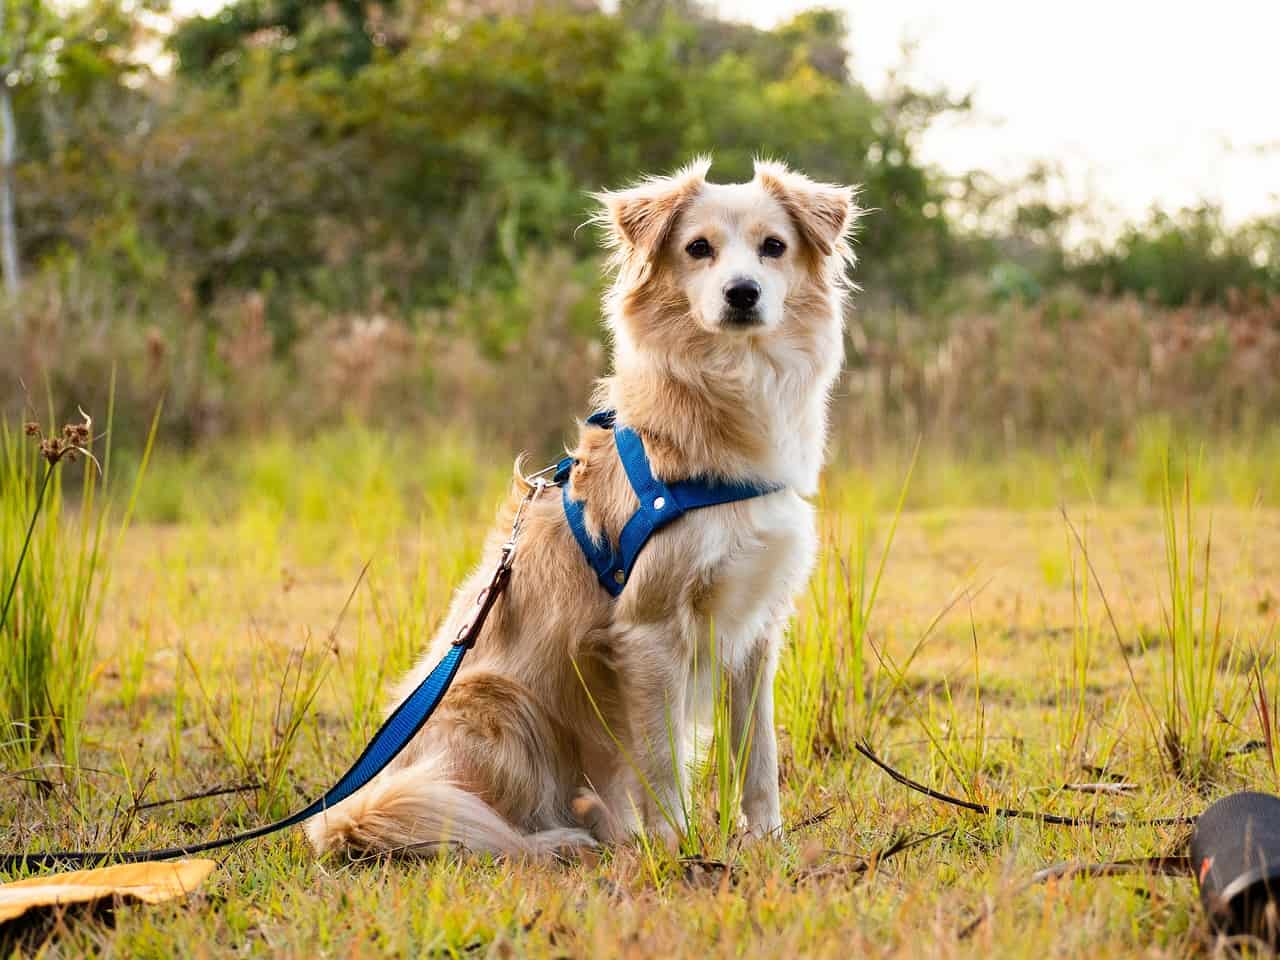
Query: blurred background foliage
[(292, 213)]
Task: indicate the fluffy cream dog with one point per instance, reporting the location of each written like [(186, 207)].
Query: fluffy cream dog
[(726, 318)]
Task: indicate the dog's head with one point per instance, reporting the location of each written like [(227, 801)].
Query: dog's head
[(732, 259)]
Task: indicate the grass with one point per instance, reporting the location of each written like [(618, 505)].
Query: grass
[(56, 571), (987, 652), (1203, 693)]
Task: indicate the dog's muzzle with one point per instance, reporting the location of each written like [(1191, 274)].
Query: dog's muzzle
[(741, 297)]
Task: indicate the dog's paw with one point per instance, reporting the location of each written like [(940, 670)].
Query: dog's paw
[(562, 842), (763, 826), (592, 813)]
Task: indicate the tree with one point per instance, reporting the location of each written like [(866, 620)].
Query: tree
[(22, 40), (56, 62), (301, 34)]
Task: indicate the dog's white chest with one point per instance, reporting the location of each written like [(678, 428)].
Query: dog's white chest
[(753, 569)]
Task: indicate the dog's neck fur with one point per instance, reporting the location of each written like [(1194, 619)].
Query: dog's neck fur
[(748, 408)]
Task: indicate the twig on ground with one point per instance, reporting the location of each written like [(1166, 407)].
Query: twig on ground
[(811, 821), (1046, 818), (1102, 772), (203, 794), (870, 863), (1249, 746), (1120, 789)]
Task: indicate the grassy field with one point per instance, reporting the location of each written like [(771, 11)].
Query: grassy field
[(998, 655)]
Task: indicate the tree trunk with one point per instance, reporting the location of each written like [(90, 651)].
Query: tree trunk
[(8, 229)]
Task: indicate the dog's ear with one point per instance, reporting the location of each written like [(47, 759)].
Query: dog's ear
[(822, 212), (639, 219)]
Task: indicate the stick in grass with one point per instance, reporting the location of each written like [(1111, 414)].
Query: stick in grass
[(1050, 819)]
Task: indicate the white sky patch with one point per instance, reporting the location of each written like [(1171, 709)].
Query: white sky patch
[(1139, 103)]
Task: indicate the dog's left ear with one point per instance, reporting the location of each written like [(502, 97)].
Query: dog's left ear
[(822, 212), (640, 218)]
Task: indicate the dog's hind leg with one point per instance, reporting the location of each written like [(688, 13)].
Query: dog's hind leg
[(493, 777), (414, 811)]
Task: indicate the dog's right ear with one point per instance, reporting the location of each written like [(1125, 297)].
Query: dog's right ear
[(822, 212), (639, 219)]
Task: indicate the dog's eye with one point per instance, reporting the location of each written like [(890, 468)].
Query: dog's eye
[(772, 247), (699, 249)]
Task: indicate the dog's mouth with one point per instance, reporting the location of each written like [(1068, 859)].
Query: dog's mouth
[(734, 318)]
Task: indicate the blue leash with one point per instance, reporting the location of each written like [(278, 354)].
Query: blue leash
[(399, 728), (392, 737)]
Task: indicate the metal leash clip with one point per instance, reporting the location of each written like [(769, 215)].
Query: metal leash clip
[(469, 632)]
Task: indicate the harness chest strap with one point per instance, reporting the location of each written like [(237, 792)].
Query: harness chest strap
[(660, 504)]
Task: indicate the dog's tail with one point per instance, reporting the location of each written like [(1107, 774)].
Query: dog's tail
[(415, 810)]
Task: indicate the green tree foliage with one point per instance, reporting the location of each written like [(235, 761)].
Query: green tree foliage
[(1188, 256), (79, 103), (347, 151), (303, 35), (354, 152)]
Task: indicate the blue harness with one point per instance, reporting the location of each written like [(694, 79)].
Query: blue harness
[(660, 503)]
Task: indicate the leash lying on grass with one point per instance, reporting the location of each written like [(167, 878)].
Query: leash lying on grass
[(392, 737)]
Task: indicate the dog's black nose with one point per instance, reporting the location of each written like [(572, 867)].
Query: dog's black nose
[(742, 294)]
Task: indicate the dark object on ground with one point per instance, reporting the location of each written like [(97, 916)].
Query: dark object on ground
[(1235, 853)]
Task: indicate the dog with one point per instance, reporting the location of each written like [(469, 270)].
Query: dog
[(570, 724)]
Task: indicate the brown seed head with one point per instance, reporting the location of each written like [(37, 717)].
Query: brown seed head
[(71, 443)]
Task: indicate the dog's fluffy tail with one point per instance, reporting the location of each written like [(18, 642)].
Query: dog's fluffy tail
[(413, 810)]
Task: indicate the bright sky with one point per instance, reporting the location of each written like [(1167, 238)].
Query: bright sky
[(1138, 102)]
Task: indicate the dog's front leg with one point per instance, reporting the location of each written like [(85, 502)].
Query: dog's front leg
[(751, 710), (653, 676)]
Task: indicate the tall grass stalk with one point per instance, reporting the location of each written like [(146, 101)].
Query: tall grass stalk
[(51, 607), (860, 594), (1072, 693), (57, 566), (24, 649), (1201, 689), (26, 540), (1264, 707), (825, 678), (724, 770), (233, 719)]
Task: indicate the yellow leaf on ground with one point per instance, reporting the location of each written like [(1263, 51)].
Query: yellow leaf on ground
[(148, 882)]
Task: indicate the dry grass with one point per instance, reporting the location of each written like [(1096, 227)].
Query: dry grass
[(1091, 373), (1017, 686)]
